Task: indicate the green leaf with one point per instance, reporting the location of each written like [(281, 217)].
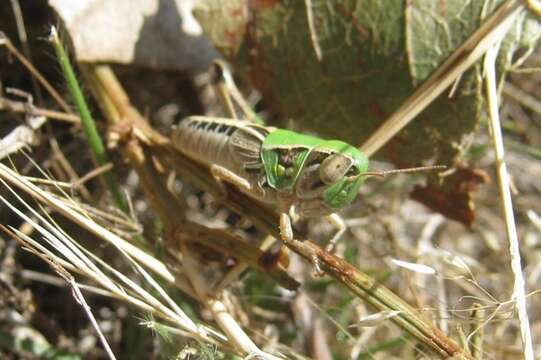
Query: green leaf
[(373, 55)]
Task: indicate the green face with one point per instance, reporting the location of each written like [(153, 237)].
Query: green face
[(324, 172), (340, 171), (342, 193)]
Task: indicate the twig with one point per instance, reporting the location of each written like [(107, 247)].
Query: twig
[(534, 5), (20, 137), (32, 114), (4, 40), (21, 30), (505, 196), (65, 165), (21, 107), (313, 30), (477, 338), (535, 219), (92, 174)]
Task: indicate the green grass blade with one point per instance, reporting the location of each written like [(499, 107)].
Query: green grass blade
[(89, 125)]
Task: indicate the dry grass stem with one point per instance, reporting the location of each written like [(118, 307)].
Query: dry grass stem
[(31, 110), (4, 40), (522, 97), (21, 137), (240, 340), (81, 300), (23, 37), (78, 260), (519, 293), (313, 30), (10, 176)]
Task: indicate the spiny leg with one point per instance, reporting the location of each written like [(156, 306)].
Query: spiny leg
[(286, 234), (221, 175), (228, 92), (341, 227), (219, 74)]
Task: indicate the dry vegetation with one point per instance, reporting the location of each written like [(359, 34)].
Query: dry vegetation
[(458, 277)]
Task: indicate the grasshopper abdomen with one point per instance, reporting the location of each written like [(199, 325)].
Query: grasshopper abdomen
[(231, 144)]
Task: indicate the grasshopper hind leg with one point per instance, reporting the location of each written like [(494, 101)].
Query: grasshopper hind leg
[(230, 95)]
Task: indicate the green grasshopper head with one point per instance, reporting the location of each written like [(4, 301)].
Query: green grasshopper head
[(332, 174), (324, 175), (342, 171)]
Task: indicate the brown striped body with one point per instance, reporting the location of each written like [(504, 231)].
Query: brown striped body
[(231, 144)]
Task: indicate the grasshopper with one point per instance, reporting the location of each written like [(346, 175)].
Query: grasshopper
[(304, 176)]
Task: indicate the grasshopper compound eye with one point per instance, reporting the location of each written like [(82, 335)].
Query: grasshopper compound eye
[(334, 168)]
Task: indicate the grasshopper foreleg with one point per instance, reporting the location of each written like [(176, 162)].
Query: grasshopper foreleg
[(286, 234), (341, 227), (286, 229), (222, 175)]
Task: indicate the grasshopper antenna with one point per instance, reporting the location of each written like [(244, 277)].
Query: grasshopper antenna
[(406, 170)]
